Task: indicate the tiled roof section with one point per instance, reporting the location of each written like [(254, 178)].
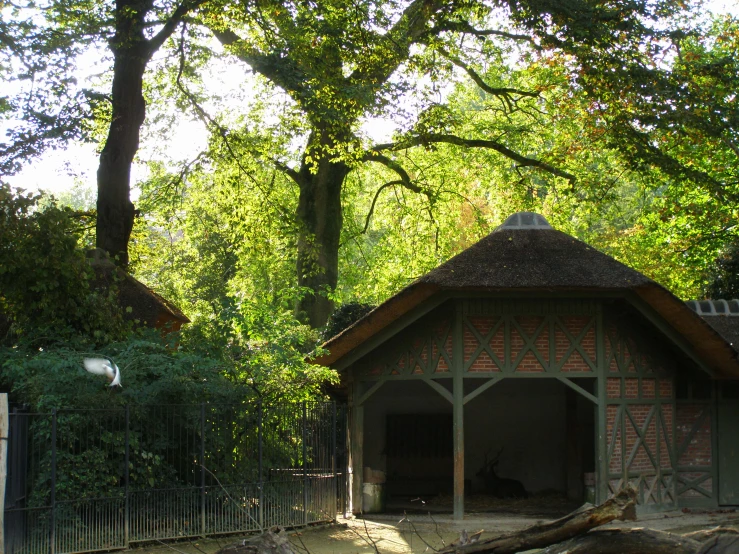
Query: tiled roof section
[(722, 316), (714, 307)]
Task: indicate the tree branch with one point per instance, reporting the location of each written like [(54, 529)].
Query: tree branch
[(185, 7), (280, 70), (289, 171), (405, 179), (433, 138), (392, 48), (504, 93), (465, 27), (212, 124)]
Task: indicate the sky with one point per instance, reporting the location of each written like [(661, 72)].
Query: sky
[(59, 171)]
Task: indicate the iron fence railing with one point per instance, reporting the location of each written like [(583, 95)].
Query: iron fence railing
[(88, 480)]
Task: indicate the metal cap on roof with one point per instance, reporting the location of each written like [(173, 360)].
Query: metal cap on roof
[(525, 220), (714, 307)]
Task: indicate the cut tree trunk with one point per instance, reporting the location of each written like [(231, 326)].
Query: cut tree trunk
[(622, 506), (320, 219)]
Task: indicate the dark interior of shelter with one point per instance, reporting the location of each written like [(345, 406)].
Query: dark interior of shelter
[(540, 432)]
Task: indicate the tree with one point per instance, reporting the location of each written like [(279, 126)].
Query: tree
[(50, 36), (340, 62)]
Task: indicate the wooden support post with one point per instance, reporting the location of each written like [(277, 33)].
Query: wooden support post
[(601, 442), (4, 427), (573, 442), (458, 410), (356, 439)]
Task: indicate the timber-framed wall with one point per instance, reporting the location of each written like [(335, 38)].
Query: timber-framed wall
[(461, 346)]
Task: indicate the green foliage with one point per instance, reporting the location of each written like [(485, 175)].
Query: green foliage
[(242, 346), (45, 280), (225, 253), (344, 316), (724, 277)]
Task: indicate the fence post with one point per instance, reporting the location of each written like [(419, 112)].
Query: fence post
[(333, 456), (202, 468), (52, 518), (260, 467), (127, 515), (305, 467)]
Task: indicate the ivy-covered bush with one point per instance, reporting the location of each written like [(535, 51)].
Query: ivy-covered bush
[(45, 280), (251, 351)]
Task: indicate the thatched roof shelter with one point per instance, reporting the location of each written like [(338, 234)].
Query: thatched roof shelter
[(526, 256)]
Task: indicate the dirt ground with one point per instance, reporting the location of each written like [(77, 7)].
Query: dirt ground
[(417, 533)]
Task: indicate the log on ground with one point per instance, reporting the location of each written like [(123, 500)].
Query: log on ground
[(272, 541), (622, 506), (626, 541)]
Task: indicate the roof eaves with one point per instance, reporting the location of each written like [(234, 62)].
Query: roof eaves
[(711, 349), (374, 322)]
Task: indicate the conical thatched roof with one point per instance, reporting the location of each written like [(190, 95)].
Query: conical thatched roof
[(525, 255), (510, 259)]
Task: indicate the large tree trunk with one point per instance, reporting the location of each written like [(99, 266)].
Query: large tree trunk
[(320, 219), (115, 212)]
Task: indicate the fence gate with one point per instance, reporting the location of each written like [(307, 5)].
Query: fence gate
[(84, 480)]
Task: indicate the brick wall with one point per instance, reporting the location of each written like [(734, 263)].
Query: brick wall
[(639, 421), (537, 344), (694, 447)]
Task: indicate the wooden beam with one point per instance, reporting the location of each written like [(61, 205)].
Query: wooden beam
[(482, 388), (390, 331), (438, 387), (601, 444), (370, 392), (4, 426), (578, 388), (458, 409), (356, 442), (573, 447)]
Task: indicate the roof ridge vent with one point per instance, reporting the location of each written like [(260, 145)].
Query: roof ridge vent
[(714, 307), (525, 220)]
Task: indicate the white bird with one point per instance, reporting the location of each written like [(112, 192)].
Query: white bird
[(104, 366)]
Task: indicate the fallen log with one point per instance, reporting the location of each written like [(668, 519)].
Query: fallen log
[(721, 544), (622, 506), (705, 534), (272, 541), (626, 541)]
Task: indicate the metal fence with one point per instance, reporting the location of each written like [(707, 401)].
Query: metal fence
[(87, 480)]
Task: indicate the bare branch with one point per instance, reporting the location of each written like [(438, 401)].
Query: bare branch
[(504, 93), (465, 27), (184, 8), (433, 138), (415, 531), (405, 179)]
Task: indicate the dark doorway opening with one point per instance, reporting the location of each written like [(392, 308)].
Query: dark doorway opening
[(419, 454)]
